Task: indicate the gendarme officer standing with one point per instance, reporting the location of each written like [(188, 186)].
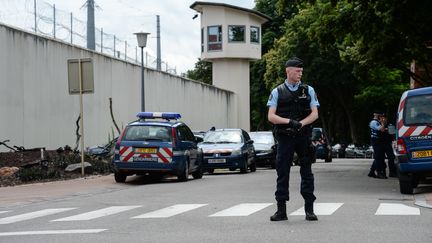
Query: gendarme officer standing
[(293, 106)]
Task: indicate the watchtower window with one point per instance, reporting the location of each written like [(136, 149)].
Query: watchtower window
[(214, 38), (254, 34), (236, 33)]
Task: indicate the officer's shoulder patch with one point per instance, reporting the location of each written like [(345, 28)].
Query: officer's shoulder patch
[(270, 97)]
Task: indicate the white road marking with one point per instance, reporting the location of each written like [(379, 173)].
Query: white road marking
[(98, 213), (169, 211), (33, 215), (396, 209), (52, 232), (243, 209), (320, 209), (3, 212)]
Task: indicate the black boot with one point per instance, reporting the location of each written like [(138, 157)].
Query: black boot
[(280, 213), (372, 174), (310, 215)]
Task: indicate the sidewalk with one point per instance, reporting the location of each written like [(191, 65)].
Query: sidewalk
[(424, 200), (37, 192)]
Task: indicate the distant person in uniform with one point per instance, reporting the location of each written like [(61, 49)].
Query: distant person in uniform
[(293, 106), (387, 141), (376, 132)]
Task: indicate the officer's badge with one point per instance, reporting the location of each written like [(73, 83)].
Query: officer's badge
[(303, 96)]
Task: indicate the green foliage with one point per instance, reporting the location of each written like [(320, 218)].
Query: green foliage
[(279, 11), (202, 72), (377, 34)]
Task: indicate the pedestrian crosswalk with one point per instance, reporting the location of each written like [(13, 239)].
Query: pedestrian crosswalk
[(239, 210), (320, 209)]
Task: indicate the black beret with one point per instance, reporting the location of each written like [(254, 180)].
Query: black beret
[(294, 62), (379, 112)]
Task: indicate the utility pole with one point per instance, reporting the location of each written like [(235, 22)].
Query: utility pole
[(158, 58), (90, 25)]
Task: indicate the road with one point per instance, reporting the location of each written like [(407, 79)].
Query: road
[(223, 207)]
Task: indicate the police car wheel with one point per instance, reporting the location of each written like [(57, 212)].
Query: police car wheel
[(252, 167), (120, 177), (198, 174), (406, 184), (183, 176), (245, 166)]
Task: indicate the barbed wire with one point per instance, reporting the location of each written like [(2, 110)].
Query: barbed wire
[(45, 19)]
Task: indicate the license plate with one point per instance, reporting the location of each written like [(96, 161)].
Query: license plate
[(216, 161), (139, 159), (146, 150), (422, 154)]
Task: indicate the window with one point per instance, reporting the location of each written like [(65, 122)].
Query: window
[(214, 38), (185, 134), (236, 33), (202, 39), (143, 133), (418, 110), (254, 34)]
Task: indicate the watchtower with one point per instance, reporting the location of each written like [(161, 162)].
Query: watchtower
[(230, 40)]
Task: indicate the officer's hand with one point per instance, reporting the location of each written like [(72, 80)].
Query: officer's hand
[(295, 124)]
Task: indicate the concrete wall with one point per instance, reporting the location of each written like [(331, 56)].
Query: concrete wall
[(36, 109)]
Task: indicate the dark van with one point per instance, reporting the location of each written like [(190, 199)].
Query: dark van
[(414, 138)]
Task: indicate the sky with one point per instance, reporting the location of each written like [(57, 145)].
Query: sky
[(180, 34)]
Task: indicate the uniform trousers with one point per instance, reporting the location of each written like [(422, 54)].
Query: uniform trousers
[(379, 155), (287, 145)]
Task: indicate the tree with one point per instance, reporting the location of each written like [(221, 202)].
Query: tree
[(271, 31), (378, 34), (202, 72), (346, 90)]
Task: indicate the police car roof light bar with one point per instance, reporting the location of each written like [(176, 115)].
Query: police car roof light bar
[(163, 115)]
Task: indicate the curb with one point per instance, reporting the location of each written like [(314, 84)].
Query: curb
[(424, 200)]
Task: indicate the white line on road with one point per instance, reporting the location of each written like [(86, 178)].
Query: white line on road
[(33, 215), (169, 211), (396, 209), (320, 209), (3, 212), (98, 213), (243, 209), (52, 232)]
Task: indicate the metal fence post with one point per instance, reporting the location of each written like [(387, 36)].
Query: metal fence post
[(71, 29), (54, 21), (35, 17), (101, 40)]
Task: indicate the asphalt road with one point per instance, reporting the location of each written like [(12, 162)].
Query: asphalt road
[(223, 207)]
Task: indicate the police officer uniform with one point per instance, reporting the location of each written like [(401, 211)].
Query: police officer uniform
[(377, 143), (388, 151), (293, 101)]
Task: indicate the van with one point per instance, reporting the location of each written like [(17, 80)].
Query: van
[(414, 138)]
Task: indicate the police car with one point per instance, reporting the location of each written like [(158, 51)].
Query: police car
[(414, 138), (157, 143)]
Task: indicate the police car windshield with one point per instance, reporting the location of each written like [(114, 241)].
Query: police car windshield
[(418, 110), (222, 137), (148, 133)]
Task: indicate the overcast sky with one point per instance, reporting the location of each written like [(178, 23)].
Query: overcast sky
[(180, 34)]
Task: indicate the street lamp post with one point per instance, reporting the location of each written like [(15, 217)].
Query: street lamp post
[(142, 42)]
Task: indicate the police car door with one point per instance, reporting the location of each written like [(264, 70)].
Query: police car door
[(189, 144), (249, 145)]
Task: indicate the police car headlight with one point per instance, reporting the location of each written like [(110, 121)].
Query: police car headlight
[(236, 152)]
